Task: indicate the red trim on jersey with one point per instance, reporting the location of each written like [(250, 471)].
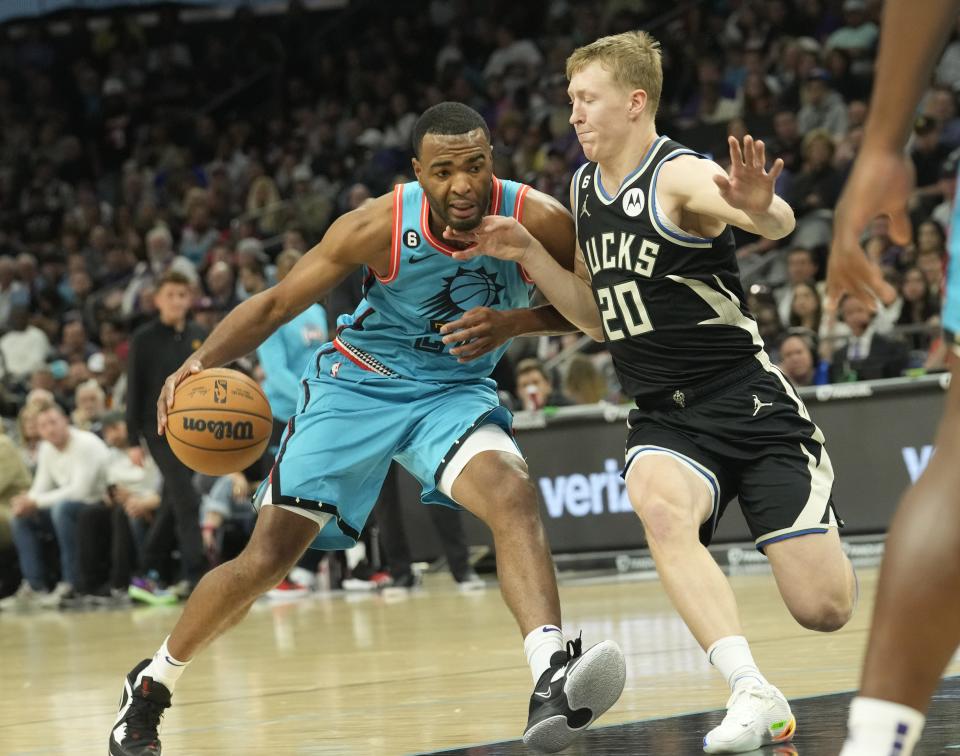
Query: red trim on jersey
[(495, 196), (339, 347), (518, 214), (394, 237)]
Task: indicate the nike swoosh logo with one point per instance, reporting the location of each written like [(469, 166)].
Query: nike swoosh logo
[(542, 695), (172, 663), (421, 258)]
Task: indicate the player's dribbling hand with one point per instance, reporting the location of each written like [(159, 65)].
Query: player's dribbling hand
[(495, 236), (165, 402), (880, 184), (477, 331)]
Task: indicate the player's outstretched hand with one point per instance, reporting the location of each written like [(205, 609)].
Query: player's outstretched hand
[(495, 236), (749, 185), (165, 401), (880, 184), (477, 332)]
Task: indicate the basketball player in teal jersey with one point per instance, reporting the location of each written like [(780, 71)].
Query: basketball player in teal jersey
[(387, 387), (916, 620)]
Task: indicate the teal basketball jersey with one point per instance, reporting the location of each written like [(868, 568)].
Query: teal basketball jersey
[(395, 328)]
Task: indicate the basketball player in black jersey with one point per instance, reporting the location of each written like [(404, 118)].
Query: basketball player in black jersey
[(656, 277)]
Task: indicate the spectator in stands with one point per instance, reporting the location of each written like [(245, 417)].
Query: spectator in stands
[(252, 279), (798, 359), (160, 258), (74, 345), (110, 532), (940, 104), (917, 308), (535, 387), (14, 480), (221, 286), (823, 107), (858, 35), (12, 292), (928, 154), (157, 349), (583, 383), (818, 184), (802, 267), (28, 437), (91, 405), (806, 308), (867, 355), (71, 468), (285, 354), (24, 347), (930, 263)]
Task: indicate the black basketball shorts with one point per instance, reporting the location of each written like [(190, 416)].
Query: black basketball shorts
[(753, 440)]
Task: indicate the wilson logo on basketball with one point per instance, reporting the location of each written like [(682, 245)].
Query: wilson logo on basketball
[(242, 430)]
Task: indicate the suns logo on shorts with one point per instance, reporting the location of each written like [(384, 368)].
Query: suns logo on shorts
[(464, 290)]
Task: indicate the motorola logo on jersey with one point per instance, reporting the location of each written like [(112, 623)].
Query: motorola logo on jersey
[(464, 290), (620, 251), (633, 202)]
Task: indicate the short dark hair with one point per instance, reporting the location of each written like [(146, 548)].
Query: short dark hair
[(174, 277), (448, 119)]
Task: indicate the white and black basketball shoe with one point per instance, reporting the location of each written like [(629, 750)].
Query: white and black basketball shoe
[(572, 693), (142, 704)]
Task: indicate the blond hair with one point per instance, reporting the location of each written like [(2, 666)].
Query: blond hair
[(632, 58)]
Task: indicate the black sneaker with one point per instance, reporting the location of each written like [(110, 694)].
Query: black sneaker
[(141, 707), (572, 693)]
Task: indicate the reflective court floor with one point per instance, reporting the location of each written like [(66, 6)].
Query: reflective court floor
[(429, 670)]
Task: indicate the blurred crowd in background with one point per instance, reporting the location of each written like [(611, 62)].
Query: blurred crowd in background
[(142, 154)]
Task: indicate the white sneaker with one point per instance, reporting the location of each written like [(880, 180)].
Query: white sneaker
[(24, 598), (55, 598), (756, 716)]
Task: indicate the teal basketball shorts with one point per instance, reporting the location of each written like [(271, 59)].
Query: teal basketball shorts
[(351, 422)]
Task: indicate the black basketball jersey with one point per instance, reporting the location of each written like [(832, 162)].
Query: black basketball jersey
[(672, 304)]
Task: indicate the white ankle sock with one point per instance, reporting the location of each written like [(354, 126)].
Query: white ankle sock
[(542, 643), (164, 668), (732, 657), (876, 726)]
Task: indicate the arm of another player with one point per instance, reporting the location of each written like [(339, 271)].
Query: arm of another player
[(567, 290), (361, 237), (744, 198), (911, 39), (483, 329)]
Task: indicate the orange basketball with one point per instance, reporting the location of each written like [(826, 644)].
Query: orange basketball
[(220, 422)]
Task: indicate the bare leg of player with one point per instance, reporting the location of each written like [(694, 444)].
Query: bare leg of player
[(672, 502), (572, 688), (496, 488), (225, 594), (220, 600), (916, 620)]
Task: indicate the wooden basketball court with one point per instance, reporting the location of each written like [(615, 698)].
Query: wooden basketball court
[(394, 673)]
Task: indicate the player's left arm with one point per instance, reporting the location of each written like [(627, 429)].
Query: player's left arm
[(744, 198), (483, 329)]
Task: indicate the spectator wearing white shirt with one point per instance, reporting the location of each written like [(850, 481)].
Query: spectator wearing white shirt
[(71, 474), (24, 347)]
